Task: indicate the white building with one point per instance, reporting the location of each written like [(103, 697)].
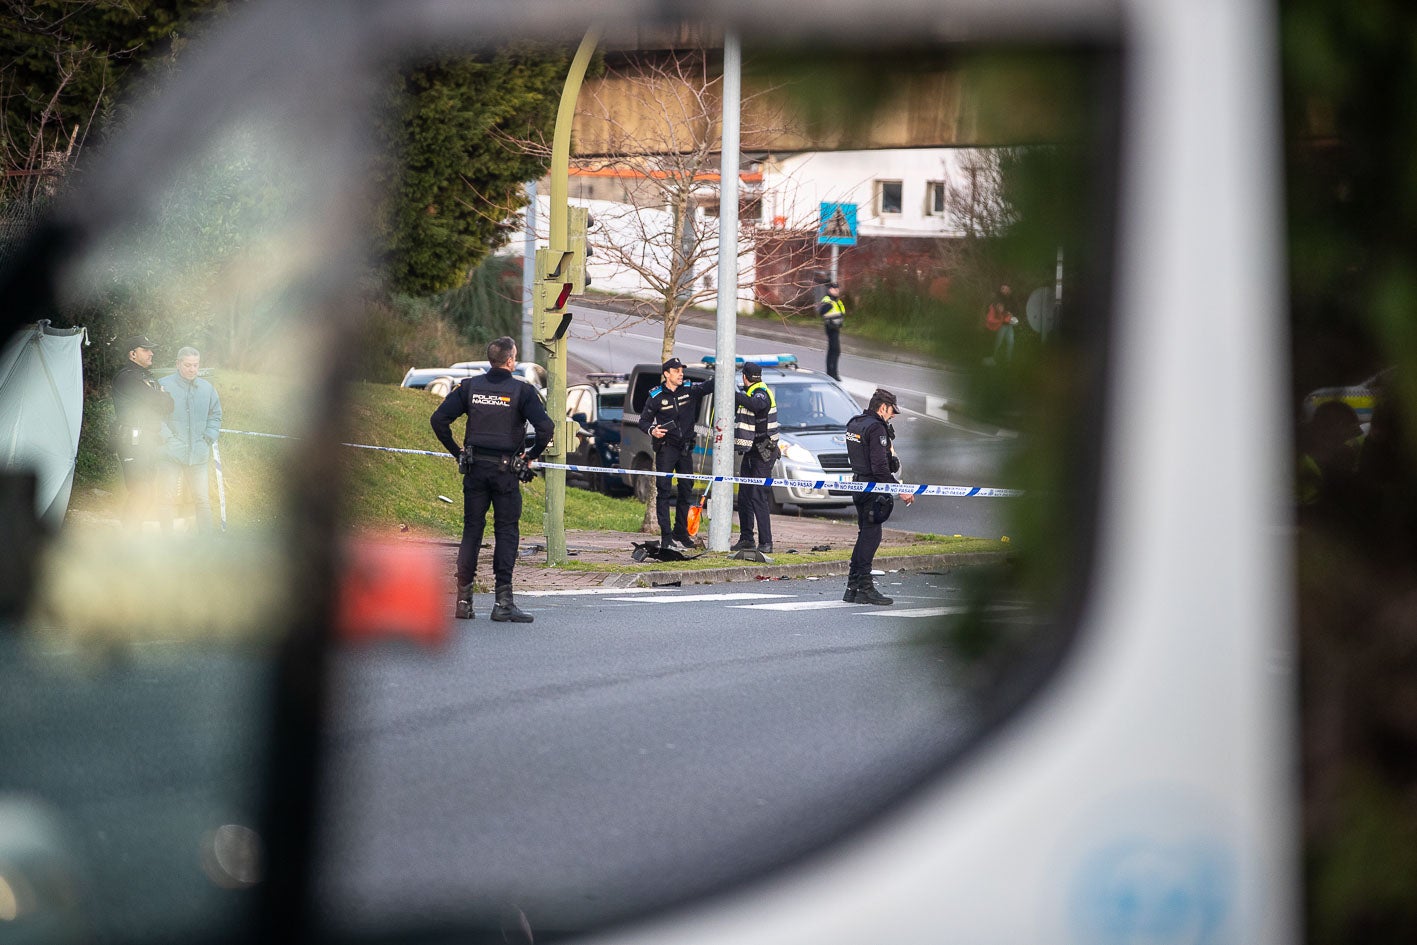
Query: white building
[(897, 193)]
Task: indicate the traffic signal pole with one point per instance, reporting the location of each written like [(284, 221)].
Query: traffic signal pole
[(554, 285)]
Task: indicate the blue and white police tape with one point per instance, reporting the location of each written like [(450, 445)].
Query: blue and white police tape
[(836, 485)]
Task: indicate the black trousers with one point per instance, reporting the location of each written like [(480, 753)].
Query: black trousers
[(754, 502), (142, 484), (833, 352), (679, 459), (488, 484), (868, 535)]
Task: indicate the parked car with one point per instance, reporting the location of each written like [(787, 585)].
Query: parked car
[(529, 371), (598, 408), (437, 381), (812, 411)]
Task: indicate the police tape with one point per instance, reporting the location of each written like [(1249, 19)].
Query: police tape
[(835, 485)]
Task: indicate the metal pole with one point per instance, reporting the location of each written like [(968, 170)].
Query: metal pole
[(559, 240), (528, 267), (725, 342)]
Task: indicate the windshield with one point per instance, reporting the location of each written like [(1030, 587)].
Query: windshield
[(815, 406)]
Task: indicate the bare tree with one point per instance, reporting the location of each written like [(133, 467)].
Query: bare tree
[(978, 204), (659, 171)]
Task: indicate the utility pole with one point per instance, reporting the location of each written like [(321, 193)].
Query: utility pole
[(725, 341), (554, 285), (528, 269)]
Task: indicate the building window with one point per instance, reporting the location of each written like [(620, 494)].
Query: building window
[(888, 196), (935, 198)]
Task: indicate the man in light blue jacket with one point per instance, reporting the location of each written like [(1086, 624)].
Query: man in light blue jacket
[(190, 430)]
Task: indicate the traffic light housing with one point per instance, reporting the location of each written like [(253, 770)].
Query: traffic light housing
[(550, 293)]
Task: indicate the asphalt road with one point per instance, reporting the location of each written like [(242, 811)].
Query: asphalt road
[(630, 749), (935, 449)]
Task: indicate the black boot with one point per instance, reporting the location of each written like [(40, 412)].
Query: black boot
[(866, 593), (505, 609), (852, 581), (464, 607), (744, 543)]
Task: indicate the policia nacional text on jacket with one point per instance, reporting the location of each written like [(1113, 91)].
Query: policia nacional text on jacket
[(498, 407)]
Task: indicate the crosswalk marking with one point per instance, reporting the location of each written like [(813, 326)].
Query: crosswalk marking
[(578, 591), (690, 598), (795, 605), (918, 611)]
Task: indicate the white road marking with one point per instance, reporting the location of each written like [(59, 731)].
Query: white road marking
[(918, 611), (690, 598), (571, 592), (796, 605)]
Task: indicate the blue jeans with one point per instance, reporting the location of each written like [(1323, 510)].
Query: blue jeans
[(1004, 341)]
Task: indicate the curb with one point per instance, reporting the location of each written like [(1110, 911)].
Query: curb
[(754, 572)]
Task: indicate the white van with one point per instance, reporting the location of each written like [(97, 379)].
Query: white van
[(1125, 767)]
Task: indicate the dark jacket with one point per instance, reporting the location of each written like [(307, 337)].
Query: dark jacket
[(140, 406), (868, 446), (674, 410), (498, 407)]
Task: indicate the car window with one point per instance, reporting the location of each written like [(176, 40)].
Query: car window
[(814, 406), (579, 400), (197, 717)]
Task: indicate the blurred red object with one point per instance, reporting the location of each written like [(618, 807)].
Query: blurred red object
[(392, 591)]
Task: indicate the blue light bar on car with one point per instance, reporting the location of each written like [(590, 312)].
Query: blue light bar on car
[(765, 360)]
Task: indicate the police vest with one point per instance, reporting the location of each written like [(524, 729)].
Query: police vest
[(749, 428), (836, 314), (494, 419), (860, 430)]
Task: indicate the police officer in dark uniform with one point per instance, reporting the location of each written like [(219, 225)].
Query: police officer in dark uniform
[(140, 405), (493, 463), (755, 440), (868, 446), (668, 417)]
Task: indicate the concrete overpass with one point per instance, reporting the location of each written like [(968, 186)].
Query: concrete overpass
[(656, 102)]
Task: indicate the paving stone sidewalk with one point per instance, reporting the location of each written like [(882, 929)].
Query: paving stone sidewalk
[(790, 534)]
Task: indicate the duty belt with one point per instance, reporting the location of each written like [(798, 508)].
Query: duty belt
[(480, 452)]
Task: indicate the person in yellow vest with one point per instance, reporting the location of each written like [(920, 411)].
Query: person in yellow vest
[(833, 312), (755, 439)]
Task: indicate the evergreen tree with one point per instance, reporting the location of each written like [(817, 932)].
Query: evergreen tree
[(462, 170)]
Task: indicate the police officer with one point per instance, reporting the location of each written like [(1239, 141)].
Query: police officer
[(493, 463), (140, 405), (868, 446), (668, 417), (755, 439), (833, 312)]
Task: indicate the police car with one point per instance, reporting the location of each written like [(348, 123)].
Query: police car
[(1361, 397), (812, 411)]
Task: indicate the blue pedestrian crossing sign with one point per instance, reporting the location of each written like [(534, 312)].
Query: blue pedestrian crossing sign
[(838, 224)]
